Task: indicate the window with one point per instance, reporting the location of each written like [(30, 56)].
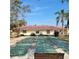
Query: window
[(37, 32), (48, 31), (24, 31)]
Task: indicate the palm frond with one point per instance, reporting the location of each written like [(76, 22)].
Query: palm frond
[(57, 13), (62, 1), (57, 20)]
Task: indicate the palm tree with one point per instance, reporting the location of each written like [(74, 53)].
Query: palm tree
[(62, 1), (62, 14), (57, 20), (60, 17), (66, 15)]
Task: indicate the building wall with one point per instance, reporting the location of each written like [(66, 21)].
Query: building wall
[(27, 32), (45, 32), (40, 32)]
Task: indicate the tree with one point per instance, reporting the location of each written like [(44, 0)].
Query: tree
[(57, 20), (61, 14), (24, 9), (15, 6), (66, 15), (16, 9), (22, 22), (60, 17), (62, 1)]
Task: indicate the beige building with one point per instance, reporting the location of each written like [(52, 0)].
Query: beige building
[(37, 30)]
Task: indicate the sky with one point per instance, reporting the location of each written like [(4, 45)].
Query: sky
[(43, 11)]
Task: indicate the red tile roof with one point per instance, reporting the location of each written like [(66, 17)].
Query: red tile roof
[(35, 28)]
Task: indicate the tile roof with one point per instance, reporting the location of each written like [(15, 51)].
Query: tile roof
[(35, 28)]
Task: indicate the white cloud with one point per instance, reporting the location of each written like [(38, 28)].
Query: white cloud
[(39, 8), (37, 11)]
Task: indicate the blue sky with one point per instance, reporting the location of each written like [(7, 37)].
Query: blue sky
[(43, 11)]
